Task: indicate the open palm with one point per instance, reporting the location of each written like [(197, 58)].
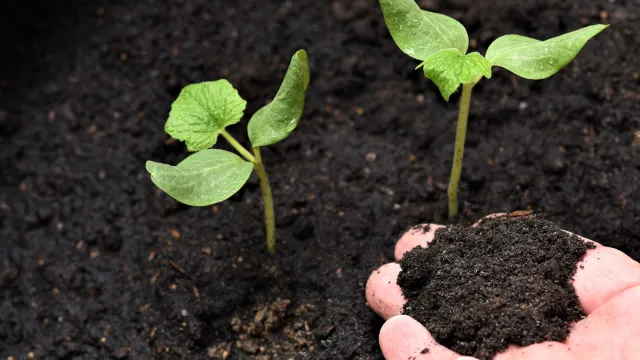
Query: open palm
[(607, 283)]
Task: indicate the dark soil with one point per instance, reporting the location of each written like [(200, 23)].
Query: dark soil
[(96, 263), (507, 281)]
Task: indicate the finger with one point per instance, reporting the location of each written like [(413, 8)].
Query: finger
[(417, 236), (611, 331), (402, 338), (604, 273), (551, 350), (383, 293)]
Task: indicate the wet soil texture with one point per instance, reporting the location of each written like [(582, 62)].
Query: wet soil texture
[(507, 281)]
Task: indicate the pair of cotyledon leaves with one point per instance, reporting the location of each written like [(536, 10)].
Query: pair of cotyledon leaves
[(201, 112), (441, 43)]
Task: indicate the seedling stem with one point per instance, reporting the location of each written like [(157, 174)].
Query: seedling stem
[(236, 145), (267, 199), (265, 187), (458, 154)]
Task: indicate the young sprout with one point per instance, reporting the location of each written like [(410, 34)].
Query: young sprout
[(201, 113), (441, 43)]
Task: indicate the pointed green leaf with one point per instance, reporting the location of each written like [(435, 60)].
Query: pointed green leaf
[(204, 178), (450, 68), (275, 121), (534, 59), (419, 33), (202, 111)]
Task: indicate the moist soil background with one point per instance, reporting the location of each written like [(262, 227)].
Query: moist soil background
[(506, 281), (99, 264)]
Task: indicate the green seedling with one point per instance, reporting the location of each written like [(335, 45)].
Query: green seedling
[(441, 43), (201, 113)]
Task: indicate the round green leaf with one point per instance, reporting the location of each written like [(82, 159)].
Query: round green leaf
[(202, 111), (419, 33), (450, 68), (534, 59), (204, 178), (275, 121)]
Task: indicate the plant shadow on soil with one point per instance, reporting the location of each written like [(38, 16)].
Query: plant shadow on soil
[(98, 264)]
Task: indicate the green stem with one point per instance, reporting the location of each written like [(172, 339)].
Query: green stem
[(458, 154), (236, 145), (267, 199)]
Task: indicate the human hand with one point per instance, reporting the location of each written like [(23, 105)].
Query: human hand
[(607, 283)]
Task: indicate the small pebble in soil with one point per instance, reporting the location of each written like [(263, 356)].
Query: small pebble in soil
[(506, 281), (371, 157)]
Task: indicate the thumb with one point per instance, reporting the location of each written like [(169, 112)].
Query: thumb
[(402, 338)]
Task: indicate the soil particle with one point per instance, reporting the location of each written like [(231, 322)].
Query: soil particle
[(219, 351), (422, 228), (258, 335), (506, 281)]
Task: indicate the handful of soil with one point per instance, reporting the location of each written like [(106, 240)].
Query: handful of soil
[(507, 281)]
